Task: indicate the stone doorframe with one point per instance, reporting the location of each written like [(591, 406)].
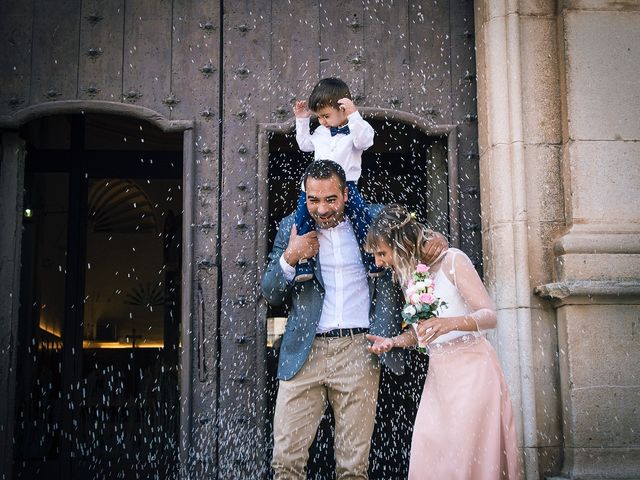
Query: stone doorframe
[(430, 129), (11, 181)]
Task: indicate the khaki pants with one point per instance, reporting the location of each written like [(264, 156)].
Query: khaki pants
[(341, 371)]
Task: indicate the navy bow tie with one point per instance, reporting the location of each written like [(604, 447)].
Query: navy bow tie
[(336, 130)]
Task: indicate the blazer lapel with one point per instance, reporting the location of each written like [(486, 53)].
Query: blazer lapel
[(318, 272), (372, 288)]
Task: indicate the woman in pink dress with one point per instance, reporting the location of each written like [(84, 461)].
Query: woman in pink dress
[(464, 428)]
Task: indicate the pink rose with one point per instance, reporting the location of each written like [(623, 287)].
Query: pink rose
[(422, 268), (426, 298), (415, 298)]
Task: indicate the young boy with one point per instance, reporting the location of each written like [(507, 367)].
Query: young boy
[(342, 137)]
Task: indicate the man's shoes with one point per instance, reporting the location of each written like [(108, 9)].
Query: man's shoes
[(304, 271)]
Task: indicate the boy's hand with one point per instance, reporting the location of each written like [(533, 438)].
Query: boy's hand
[(300, 109), (347, 106)]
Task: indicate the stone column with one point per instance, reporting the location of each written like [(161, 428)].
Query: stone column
[(11, 191), (522, 208), (597, 260)]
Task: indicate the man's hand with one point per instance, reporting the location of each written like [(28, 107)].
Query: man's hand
[(347, 106), (380, 344), (301, 246), (434, 247), (300, 109)]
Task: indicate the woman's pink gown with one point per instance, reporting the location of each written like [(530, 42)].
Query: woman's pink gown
[(464, 428)]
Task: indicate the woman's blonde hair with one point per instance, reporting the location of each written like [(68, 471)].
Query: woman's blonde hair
[(396, 227)]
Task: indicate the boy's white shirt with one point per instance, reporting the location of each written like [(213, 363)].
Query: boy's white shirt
[(346, 150)]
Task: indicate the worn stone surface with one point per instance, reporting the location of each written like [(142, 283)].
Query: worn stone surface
[(602, 65), (599, 354), (585, 266), (545, 190), (581, 181), (545, 360), (604, 182), (609, 5), (540, 80)]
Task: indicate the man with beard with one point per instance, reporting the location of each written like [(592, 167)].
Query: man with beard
[(323, 353)]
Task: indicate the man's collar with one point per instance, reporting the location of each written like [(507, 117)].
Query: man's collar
[(345, 223)]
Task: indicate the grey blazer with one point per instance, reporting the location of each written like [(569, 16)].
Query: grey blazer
[(305, 301)]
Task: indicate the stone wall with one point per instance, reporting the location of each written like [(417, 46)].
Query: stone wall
[(559, 129)]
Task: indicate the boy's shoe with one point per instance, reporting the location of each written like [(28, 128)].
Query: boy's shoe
[(304, 271), (376, 272)]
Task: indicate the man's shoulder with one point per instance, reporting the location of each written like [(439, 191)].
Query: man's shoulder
[(288, 220)]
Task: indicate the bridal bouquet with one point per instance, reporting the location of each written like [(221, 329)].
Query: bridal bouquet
[(421, 303)]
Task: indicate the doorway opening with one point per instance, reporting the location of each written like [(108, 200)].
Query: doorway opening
[(97, 386), (405, 165)]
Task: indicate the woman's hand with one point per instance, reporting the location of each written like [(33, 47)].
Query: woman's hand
[(429, 330), (380, 344)]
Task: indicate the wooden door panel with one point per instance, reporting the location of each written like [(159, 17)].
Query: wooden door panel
[(294, 57), (464, 113), (195, 83), (246, 53), (386, 40), (342, 43), (55, 51), (100, 58), (15, 70), (429, 44), (147, 54)]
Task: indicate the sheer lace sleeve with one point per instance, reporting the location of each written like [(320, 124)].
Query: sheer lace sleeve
[(463, 275)]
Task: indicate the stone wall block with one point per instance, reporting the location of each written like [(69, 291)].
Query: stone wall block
[(599, 332), (604, 181), (540, 80), (499, 168), (603, 463), (545, 192), (537, 7), (505, 341), (545, 360), (497, 100), (602, 65), (586, 266), (500, 280), (600, 395), (541, 236), (606, 5)]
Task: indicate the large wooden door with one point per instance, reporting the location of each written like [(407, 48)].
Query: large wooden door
[(232, 69), (411, 65)]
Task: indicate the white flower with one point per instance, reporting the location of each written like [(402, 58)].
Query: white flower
[(420, 285), (409, 311)]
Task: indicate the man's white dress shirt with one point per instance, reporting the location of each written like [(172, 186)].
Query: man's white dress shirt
[(346, 297)]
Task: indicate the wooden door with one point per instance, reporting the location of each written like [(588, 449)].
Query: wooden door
[(410, 65), (232, 70)]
